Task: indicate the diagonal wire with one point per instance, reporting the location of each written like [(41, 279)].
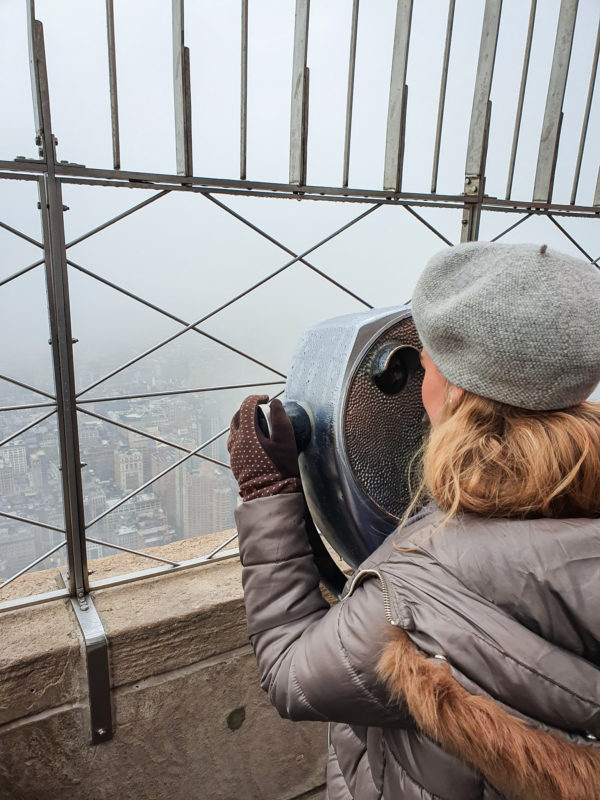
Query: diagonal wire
[(281, 269), (129, 550), (152, 436), (79, 238), (161, 474), (188, 326), (429, 225), (27, 406), (31, 522), (33, 564), (221, 546), (168, 393), (21, 235), (231, 538), (512, 227), (121, 216), (27, 427), (193, 325), (156, 477), (290, 252), (26, 386), (21, 272), (571, 239)]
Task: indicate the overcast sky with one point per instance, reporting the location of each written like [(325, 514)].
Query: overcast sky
[(184, 253)]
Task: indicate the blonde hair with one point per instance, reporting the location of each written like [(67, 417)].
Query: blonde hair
[(496, 460)]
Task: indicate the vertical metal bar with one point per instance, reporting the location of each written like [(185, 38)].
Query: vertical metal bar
[(244, 91), (35, 85), (59, 312), (483, 85), (350, 93), (442, 101), (299, 111), (597, 192), (480, 121), (586, 117), (182, 93), (474, 188), (112, 77), (394, 144), (544, 175), (519, 113)]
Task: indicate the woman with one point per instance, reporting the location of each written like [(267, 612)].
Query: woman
[(463, 661)]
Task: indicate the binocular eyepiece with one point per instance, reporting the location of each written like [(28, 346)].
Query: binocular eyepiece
[(298, 417), (392, 366)]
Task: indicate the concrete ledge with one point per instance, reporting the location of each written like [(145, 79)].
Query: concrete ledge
[(191, 719)]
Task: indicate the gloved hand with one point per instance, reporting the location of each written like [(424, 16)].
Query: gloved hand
[(262, 465)]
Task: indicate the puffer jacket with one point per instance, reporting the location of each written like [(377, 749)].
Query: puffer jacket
[(463, 665)]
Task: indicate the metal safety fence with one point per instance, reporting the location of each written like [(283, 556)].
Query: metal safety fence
[(469, 204)]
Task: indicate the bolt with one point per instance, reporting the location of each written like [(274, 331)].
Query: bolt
[(38, 140), (467, 180), (39, 205), (74, 341), (65, 208)]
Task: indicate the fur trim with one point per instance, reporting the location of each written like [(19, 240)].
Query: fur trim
[(523, 762)]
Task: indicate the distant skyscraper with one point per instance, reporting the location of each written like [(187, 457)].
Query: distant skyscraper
[(208, 501), (7, 480), (129, 469), (16, 456)]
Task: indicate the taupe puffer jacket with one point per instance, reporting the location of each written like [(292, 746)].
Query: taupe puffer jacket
[(464, 668)]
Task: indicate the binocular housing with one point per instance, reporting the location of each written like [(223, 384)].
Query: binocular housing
[(353, 394)]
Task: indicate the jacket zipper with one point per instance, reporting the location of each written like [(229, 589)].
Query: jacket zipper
[(385, 591)]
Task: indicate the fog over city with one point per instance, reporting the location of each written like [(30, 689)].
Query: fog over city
[(188, 256)]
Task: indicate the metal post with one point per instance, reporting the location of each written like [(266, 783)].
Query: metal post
[(350, 92), (112, 76), (442, 100), (244, 92), (51, 208), (57, 285), (299, 111), (546, 163), (519, 113), (480, 122), (586, 117), (394, 140), (182, 93)]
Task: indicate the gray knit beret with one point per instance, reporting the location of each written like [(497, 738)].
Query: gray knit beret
[(518, 323)]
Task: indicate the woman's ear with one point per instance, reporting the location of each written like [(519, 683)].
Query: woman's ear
[(455, 394)]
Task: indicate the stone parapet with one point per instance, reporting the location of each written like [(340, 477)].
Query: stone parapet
[(190, 718)]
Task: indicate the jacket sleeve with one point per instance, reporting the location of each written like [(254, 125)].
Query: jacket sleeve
[(315, 662)]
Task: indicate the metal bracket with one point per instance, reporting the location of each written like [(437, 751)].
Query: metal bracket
[(472, 185), (96, 651)]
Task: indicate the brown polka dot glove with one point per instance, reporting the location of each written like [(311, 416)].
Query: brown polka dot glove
[(263, 465)]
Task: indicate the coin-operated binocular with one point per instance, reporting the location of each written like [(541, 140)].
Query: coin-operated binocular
[(353, 394)]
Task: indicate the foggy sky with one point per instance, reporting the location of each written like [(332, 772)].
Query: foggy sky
[(184, 253)]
